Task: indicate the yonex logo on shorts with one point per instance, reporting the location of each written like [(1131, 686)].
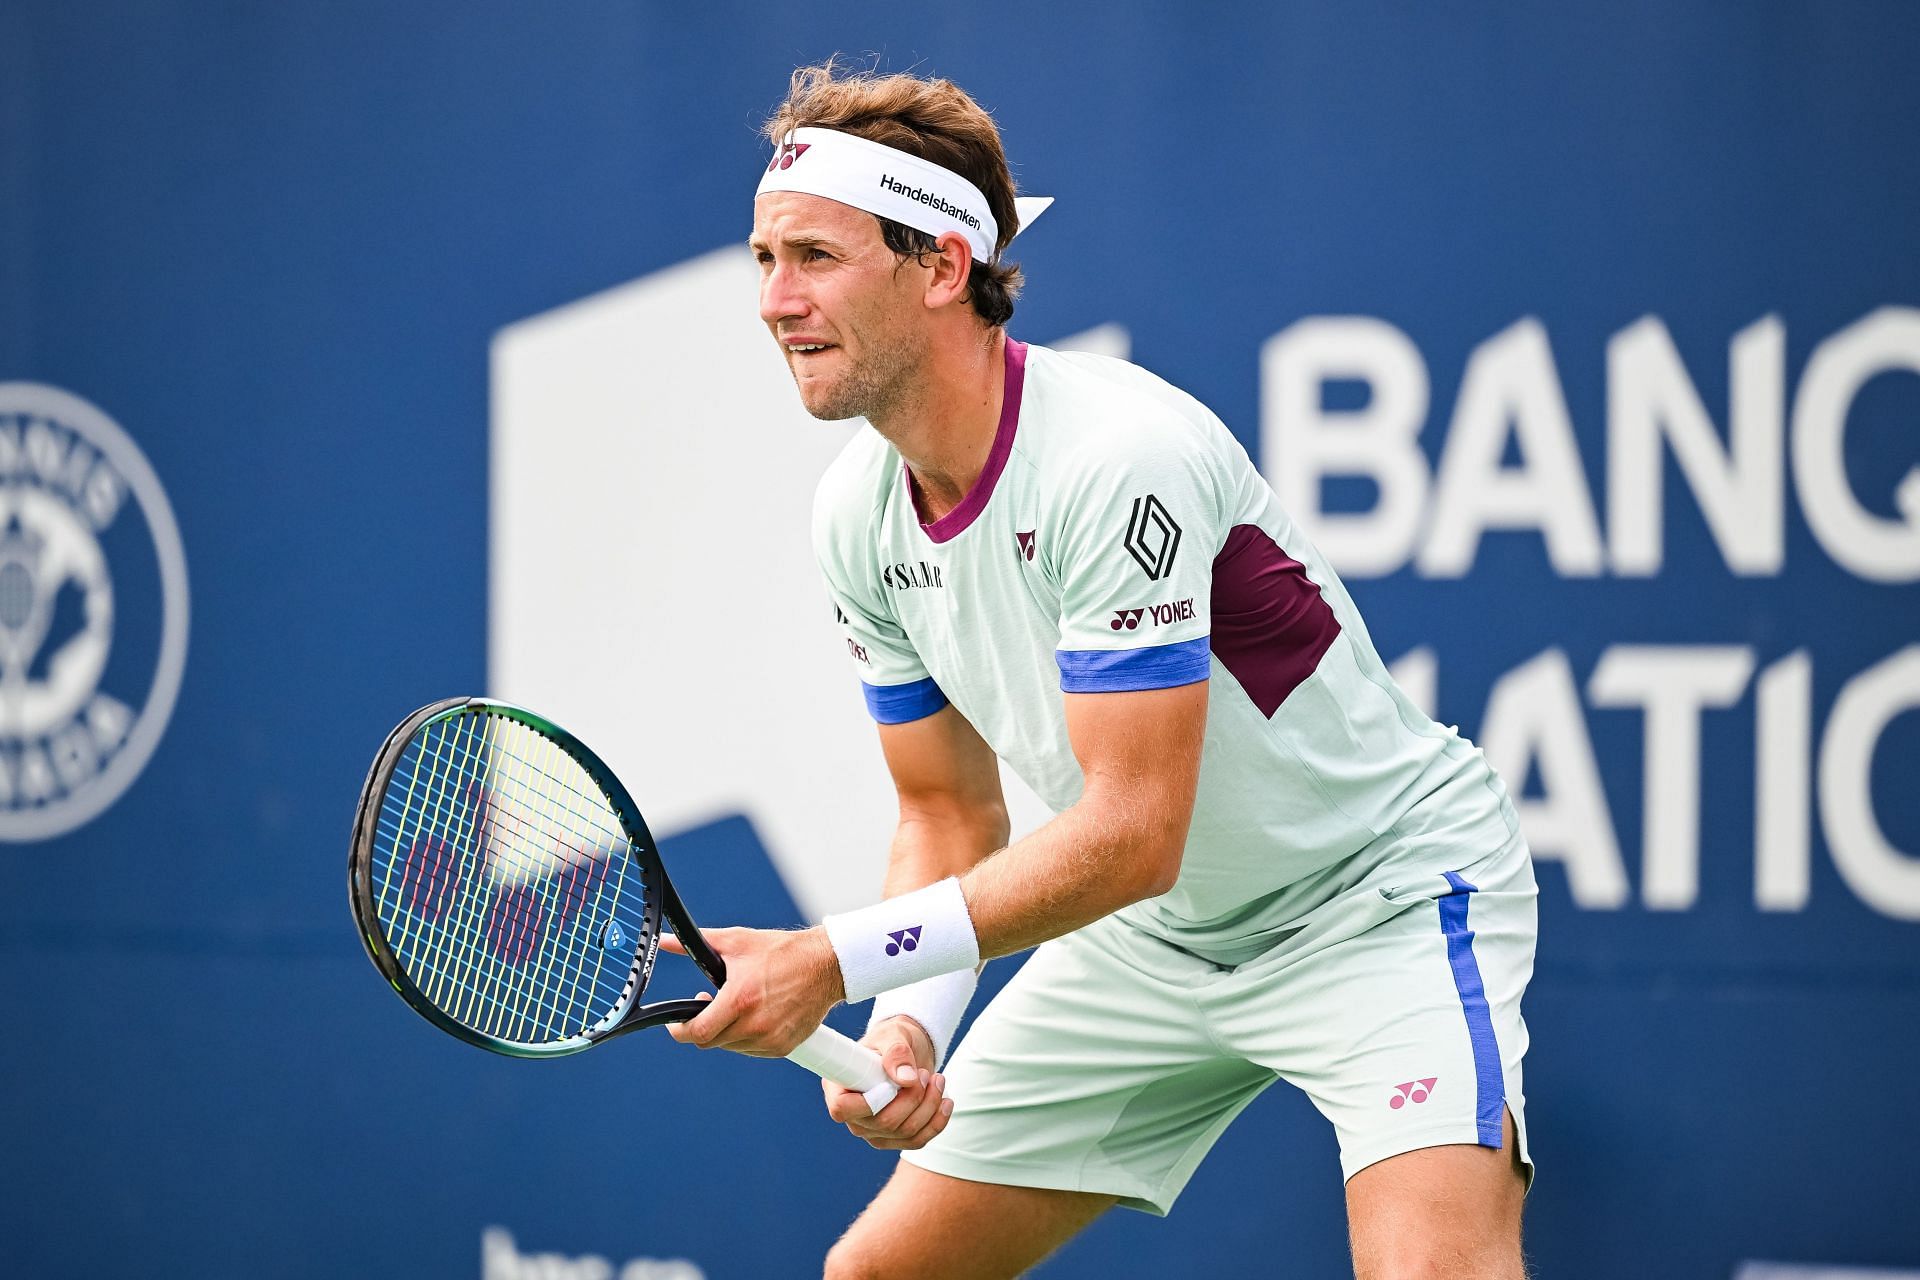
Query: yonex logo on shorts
[(1153, 539), (1411, 1091), (904, 940), (1126, 618)]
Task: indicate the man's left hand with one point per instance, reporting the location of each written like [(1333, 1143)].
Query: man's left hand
[(780, 985)]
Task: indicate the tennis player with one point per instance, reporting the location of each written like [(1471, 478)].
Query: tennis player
[(1265, 863)]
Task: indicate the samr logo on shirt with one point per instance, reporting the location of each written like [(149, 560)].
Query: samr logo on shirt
[(905, 577)]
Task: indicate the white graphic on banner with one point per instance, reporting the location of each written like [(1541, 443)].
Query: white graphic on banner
[(71, 738), (652, 585)]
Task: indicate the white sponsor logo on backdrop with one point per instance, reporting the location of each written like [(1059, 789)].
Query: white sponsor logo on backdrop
[(78, 718), (501, 1259)]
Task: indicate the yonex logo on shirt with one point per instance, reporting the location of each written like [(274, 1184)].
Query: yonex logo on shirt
[(1171, 611), (1153, 539), (1026, 543)]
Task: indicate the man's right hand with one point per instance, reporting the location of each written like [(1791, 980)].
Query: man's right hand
[(917, 1116)]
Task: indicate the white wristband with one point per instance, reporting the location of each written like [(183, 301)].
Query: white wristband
[(937, 1004), (903, 939)]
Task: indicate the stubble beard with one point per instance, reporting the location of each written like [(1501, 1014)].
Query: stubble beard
[(872, 386)]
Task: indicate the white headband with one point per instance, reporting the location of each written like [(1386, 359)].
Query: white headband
[(890, 183)]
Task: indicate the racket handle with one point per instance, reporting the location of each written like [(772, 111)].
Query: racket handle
[(832, 1056)]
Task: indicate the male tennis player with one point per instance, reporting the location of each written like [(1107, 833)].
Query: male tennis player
[(1265, 861)]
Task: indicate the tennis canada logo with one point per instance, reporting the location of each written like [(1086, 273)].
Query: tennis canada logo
[(93, 611)]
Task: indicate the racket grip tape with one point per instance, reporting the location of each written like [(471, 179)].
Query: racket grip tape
[(832, 1056)]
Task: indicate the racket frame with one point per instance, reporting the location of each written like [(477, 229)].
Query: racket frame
[(627, 1014)]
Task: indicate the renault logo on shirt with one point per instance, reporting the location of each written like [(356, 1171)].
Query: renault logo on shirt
[(1153, 539), (905, 577)]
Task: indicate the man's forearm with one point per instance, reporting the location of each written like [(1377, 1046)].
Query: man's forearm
[(928, 847), (1088, 862)]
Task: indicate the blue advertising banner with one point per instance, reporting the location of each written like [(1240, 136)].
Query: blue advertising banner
[(354, 355)]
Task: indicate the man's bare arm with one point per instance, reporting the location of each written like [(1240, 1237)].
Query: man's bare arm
[(1121, 842), (952, 811)]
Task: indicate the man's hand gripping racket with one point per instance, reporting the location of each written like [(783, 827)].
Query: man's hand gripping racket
[(507, 887)]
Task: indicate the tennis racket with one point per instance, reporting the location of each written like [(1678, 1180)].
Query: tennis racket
[(506, 885)]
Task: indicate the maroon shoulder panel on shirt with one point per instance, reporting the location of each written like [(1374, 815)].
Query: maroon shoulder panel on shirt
[(1271, 625)]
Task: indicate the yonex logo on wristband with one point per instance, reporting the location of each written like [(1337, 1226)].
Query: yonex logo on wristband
[(877, 953)]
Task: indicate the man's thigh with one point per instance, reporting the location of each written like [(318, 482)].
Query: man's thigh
[(1093, 1071), (1407, 1035), (1440, 1212), (926, 1224)]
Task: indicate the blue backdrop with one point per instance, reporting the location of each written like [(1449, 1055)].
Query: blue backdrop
[(273, 243)]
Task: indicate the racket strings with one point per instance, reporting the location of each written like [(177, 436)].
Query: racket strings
[(488, 986), (512, 911), (454, 972), (517, 922), (482, 985)]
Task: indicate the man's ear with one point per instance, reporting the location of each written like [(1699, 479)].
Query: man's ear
[(947, 275)]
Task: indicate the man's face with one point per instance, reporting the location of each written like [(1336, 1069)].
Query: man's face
[(845, 309)]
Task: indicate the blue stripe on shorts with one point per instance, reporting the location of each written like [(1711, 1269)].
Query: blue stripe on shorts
[(1491, 1098)]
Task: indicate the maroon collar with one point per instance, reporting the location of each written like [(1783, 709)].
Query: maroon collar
[(955, 522)]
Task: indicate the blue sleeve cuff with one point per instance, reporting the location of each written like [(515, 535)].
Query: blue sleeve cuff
[(899, 703), (1119, 670)]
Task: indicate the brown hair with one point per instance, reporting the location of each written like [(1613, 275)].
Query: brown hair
[(933, 119)]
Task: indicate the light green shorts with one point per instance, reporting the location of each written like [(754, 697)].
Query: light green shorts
[(1114, 1060)]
